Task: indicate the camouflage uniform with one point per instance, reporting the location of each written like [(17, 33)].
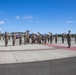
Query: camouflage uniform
[(25, 38), (0, 36), (20, 40), (37, 38), (69, 39), (28, 39), (75, 38), (40, 39), (13, 39), (6, 38), (33, 38), (50, 37)]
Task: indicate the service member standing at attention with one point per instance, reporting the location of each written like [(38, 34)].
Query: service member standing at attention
[(13, 39), (28, 41), (56, 38), (20, 40), (0, 36), (75, 38), (69, 39), (6, 38), (38, 37), (42, 38), (32, 38), (50, 37)]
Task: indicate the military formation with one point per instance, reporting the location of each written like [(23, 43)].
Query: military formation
[(37, 38)]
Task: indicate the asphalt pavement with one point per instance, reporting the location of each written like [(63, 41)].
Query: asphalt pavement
[(66, 66)]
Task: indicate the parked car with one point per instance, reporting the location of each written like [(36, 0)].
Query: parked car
[(17, 36)]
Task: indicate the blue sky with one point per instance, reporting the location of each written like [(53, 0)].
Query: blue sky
[(56, 16)]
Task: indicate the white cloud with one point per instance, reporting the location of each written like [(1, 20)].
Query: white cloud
[(17, 17), (2, 22), (70, 21), (27, 17)]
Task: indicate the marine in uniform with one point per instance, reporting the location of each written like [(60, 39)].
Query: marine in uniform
[(50, 37), (33, 38), (28, 39), (20, 40), (69, 39), (6, 38), (38, 37), (0, 36), (75, 38), (13, 39)]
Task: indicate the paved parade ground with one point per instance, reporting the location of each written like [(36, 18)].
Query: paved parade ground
[(38, 59)]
